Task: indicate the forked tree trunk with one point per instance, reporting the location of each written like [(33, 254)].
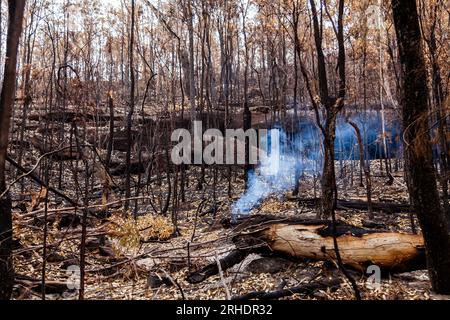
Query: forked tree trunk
[(16, 11), (419, 152), (332, 105)]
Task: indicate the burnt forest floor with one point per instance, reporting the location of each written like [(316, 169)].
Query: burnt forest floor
[(126, 257)]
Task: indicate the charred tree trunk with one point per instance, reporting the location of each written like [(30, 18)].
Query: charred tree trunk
[(297, 49), (332, 105), (191, 91), (419, 152), (16, 12), (364, 167), (441, 112), (111, 130), (328, 183), (131, 111), (247, 120)]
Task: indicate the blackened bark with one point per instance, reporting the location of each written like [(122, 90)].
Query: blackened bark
[(6, 263), (364, 167), (16, 11), (438, 95), (332, 105), (328, 183), (131, 111), (111, 131), (419, 152), (233, 258), (247, 115)]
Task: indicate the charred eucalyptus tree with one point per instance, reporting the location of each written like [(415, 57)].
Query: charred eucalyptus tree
[(131, 106), (332, 104), (438, 95), (247, 115), (16, 11), (418, 147)]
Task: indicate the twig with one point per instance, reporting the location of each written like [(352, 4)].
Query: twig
[(42, 183), (175, 283), (222, 279), (31, 170)]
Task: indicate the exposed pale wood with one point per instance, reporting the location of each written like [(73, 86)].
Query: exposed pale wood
[(313, 239), (388, 250)]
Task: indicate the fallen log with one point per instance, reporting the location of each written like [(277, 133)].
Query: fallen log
[(376, 206), (234, 257), (308, 288), (66, 153), (51, 287), (71, 116), (36, 179), (66, 220), (154, 280), (157, 162), (313, 240), (358, 205), (135, 167)]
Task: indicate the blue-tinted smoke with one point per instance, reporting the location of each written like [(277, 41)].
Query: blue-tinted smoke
[(276, 172), (302, 152)]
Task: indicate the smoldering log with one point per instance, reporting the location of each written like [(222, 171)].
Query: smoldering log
[(313, 240)]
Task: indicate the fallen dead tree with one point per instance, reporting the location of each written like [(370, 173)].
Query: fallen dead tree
[(66, 153), (358, 205), (156, 162), (51, 287), (376, 206), (72, 116), (233, 258), (359, 247), (308, 288), (313, 240)]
